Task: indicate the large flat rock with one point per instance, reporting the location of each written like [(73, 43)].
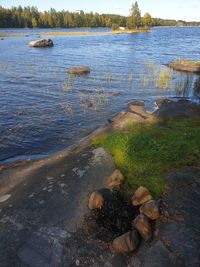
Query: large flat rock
[(182, 232), (55, 195), (176, 109)]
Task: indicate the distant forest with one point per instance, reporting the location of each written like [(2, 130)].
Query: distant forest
[(30, 17)]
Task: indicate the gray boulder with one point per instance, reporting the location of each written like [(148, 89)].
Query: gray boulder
[(41, 43)]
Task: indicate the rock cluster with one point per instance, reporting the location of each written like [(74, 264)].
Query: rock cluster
[(141, 226), (41, 43)]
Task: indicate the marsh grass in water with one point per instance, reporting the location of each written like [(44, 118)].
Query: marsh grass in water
[(166, 79), (68, 85), (145, 153), (156, 76), (101, 92)]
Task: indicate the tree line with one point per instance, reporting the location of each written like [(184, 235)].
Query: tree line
[(136, 21), (30, 17)]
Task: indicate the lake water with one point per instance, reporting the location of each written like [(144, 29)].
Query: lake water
[(43, 110)]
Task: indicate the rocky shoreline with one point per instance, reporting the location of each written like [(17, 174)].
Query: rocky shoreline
[(44, 203)]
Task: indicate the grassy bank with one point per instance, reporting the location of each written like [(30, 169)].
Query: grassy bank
[(13, 35), (75, 33), (129, 31), (145, 153), (94, 33)]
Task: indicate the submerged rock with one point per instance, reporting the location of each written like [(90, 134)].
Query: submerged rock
[(96, 200), (115, 93), (127, 242), (79, 70), (115, 180), (150, 209), (141, 196), (41, 43), (143, 226)]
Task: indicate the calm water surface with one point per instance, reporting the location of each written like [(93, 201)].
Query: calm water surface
[(43, 110)]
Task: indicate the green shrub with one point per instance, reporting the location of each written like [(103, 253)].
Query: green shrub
[(115, 26)]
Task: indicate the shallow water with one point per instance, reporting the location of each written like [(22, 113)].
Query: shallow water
[(43, 110)]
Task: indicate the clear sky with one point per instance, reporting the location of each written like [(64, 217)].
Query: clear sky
[(172, 9)]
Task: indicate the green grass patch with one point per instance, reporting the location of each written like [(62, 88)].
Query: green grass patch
[(145, 153)]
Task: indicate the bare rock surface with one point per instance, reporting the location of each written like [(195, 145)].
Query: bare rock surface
[(136, 114), (181, 232), (140, 196), (54, 196), (176, 109), (154, 255), (41, 43)]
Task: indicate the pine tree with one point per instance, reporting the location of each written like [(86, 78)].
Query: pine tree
[(134, 21)]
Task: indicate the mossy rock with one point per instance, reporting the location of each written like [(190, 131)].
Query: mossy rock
[(79, 70), (185, 65)]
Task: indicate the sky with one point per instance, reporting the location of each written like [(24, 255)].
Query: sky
[(188, 10)]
